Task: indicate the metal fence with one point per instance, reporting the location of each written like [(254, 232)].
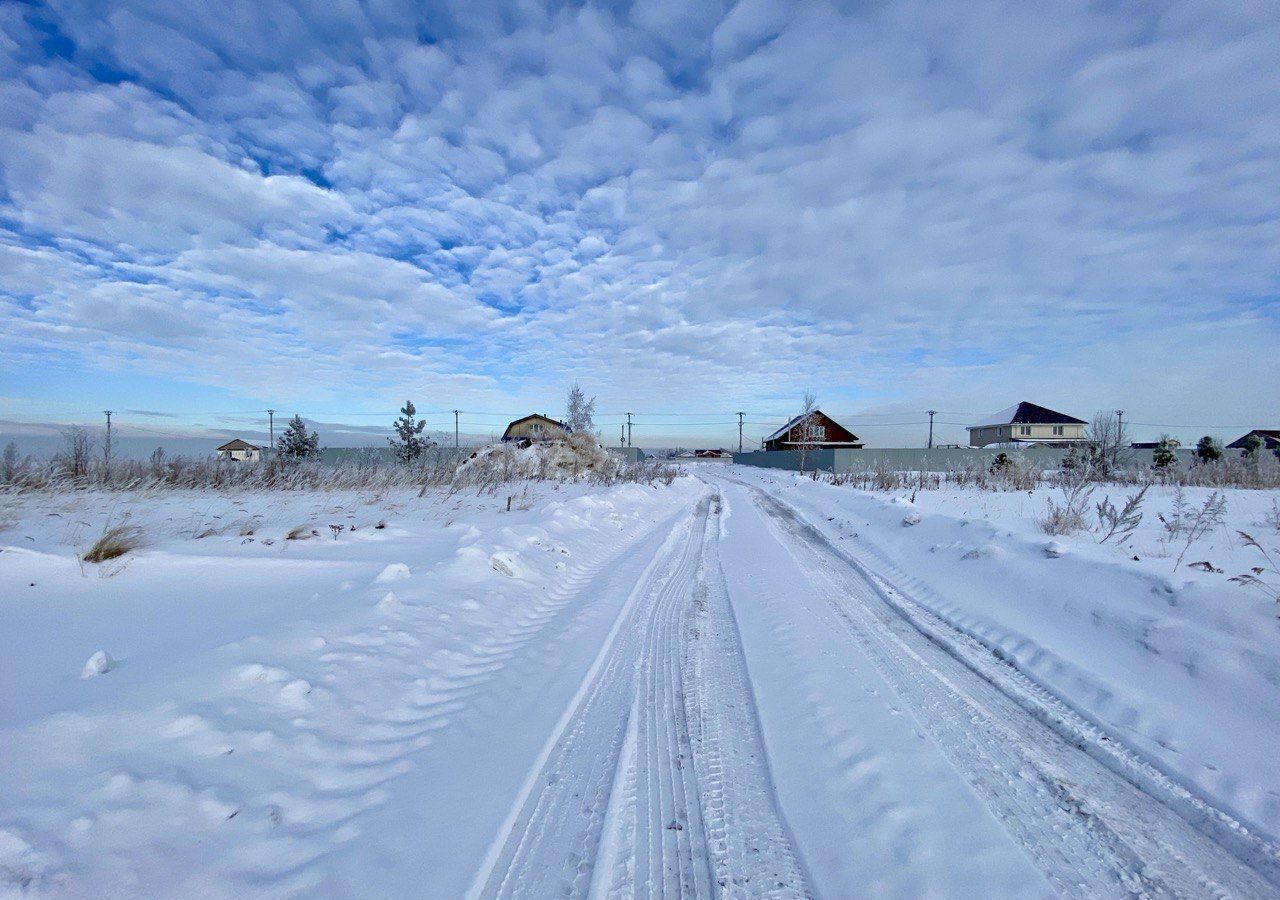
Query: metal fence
[(938, 459)]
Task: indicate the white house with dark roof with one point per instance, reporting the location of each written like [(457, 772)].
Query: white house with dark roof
[(1027, 423), (240, 451)]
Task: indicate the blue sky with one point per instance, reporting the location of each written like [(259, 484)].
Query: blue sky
[(690, 208)]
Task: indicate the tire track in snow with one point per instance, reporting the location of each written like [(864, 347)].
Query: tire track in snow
[(654, 784), (1091, 830)]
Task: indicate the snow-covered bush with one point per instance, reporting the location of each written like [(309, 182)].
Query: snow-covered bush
[(1067, 517)]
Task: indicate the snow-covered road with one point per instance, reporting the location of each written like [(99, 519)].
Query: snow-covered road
[(691, 691)]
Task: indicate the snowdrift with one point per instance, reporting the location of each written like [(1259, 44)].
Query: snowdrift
[(577, 457)]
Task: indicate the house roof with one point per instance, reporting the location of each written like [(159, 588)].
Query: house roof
[(1026, 413), (796, 421), (1265, 434), (514, 422), (237, 444)]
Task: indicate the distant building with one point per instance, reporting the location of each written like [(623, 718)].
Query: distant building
[(1171, 443), (536, 427), (1027, 423), (819, 432), (240, 451), (1269, 439)]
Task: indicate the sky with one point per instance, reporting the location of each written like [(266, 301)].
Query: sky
[(692, 209)]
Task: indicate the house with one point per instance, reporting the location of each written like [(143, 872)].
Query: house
[(1171, 443), (536, 427), (1268, 438), (240, 451), (1027, 423), (819, 432)]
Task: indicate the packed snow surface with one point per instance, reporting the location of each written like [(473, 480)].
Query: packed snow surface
[(744, 683)]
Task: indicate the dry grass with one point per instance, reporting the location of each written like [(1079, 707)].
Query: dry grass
[(114, 542), (437, 469), (301, 533)]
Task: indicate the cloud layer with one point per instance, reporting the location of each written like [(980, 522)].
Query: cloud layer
[(682, 205)]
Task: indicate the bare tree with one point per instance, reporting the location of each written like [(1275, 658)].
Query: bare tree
[(805, 428), (579, 411), (1108, 441), (77, 448)]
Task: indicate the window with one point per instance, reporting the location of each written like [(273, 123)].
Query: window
[(1058, 430), (1024, 430)]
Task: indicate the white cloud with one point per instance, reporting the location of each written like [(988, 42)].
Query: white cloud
[(905, 201)]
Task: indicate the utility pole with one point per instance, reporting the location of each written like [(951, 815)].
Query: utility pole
[(739, 432), (622, 435), (271, 426), (106, 449), (455, 429), (628, 429), (932, 413), (1119, 433)]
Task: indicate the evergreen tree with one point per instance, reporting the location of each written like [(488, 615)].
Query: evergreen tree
[(10, 461), (1208, 450), (408, 443), (1251, 445), (1163, 457), (295, 443)]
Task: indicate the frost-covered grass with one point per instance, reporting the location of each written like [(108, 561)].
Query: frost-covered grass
[(1261, 471), (487, 468)]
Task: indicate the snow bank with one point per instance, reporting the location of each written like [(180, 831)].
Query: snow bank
[(560, 459)]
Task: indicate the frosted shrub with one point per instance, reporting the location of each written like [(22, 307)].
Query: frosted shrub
[(1068, 516)]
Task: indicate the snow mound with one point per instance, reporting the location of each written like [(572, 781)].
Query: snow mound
[(509, 563), (98, 664), (393, 572), (1055, 549), (911, 518), (567, 459)]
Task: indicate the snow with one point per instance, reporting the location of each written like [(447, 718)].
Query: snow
[(1178, 663), (1004, 417), (98, 664), (743, 678)]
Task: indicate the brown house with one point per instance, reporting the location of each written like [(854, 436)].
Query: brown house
[(536, 427), (1268, 439), (817, 432)]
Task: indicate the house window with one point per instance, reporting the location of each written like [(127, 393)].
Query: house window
[(1058, 430), (1024, 430)]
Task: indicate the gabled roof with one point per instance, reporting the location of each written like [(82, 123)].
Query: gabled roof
[(514, 422), (785, 429), (1266, 435), (1028, 414), (237, 444)]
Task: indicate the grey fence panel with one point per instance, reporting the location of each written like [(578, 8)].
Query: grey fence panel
[(816, 460), (943, 459), (938, 459), (628, 454), (383, 456)]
